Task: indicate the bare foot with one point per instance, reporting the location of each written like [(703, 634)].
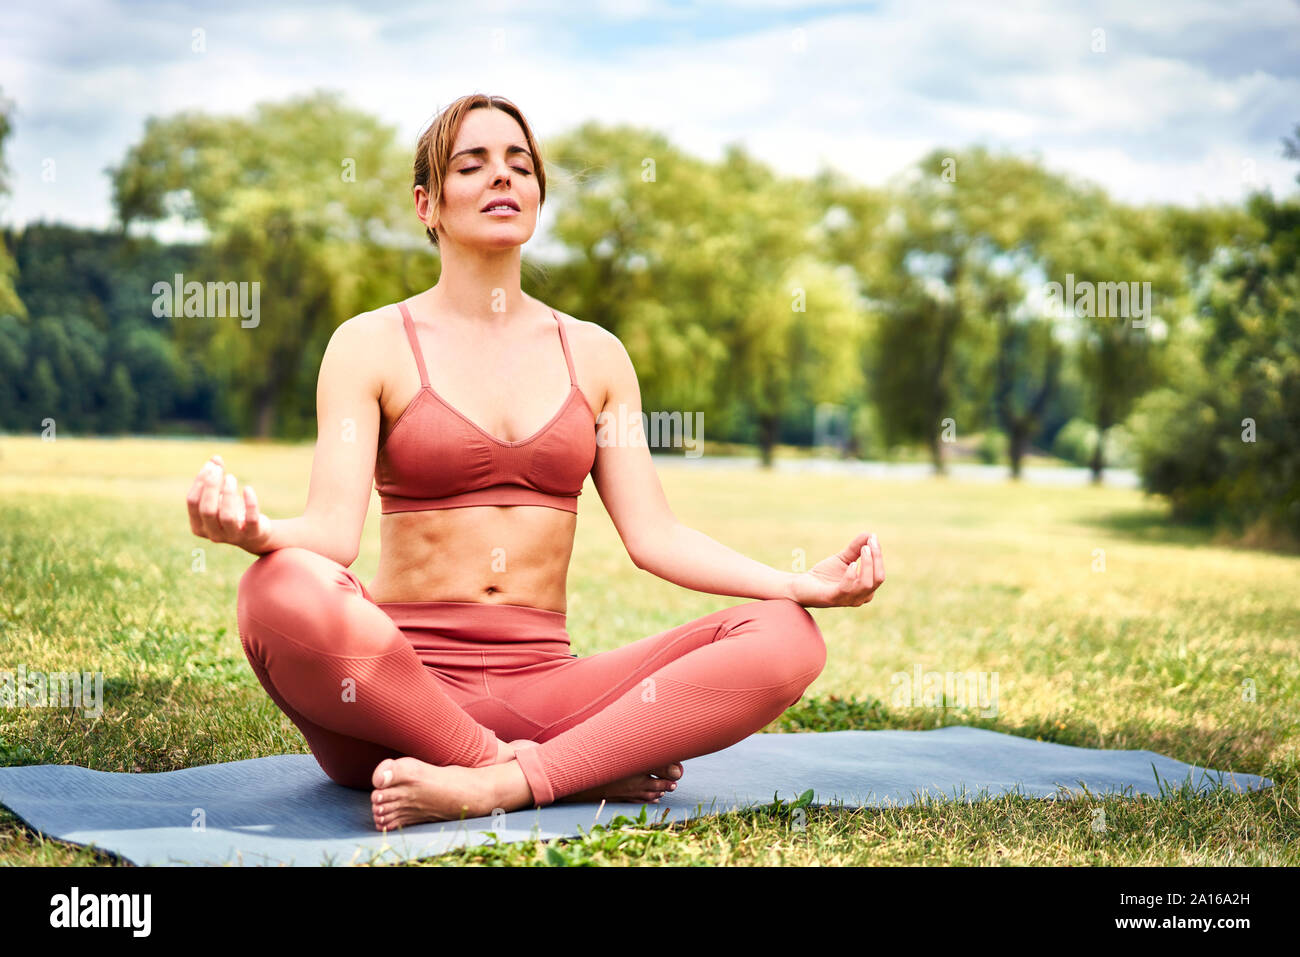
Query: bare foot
[(409, 791), (634, 787)]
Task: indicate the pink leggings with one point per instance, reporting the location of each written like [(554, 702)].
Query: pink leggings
[(442, 681)]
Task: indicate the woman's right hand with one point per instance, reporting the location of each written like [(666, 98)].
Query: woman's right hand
[(219, 513)]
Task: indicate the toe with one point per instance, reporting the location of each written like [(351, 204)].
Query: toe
[(383, 775)]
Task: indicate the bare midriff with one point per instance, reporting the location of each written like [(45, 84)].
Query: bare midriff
[(498, 554)]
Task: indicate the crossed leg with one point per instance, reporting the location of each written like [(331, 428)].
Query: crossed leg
[(694, 689), (339, 667), (342, 671)]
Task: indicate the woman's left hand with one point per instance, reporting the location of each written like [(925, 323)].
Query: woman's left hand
[(848, 578)]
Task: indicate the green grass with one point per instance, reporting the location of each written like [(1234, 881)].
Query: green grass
[(1153, 652)]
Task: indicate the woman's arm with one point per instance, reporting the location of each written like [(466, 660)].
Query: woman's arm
[(347, 412), (657, 542), (347, 436), (687, 557), (629, 487)]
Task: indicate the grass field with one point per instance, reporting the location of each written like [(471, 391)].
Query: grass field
[(1155, 649)]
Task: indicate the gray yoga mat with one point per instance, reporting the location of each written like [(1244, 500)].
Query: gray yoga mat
[(284, 810)]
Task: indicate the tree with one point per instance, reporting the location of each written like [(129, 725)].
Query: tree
[(94, 286), (119, 401), (1021, 346), (705, 272), (41, 400), (295, 198), (14, 339), (1221, 443), (959, 341), (10, 303), (1115, 255)]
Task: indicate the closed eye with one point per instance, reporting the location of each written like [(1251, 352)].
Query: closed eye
[(470, 169)]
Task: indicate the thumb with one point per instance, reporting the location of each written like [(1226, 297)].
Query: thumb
[(853, 550)]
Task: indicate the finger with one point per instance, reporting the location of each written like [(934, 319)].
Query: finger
[(864, 566), (210, 501), (252, 514), (197, 485), (228, 512), (865, 576), (877, 561), (847, 582), (192, 498), (854, 548), (241, 513)]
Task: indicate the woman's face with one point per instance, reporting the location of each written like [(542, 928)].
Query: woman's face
[(500, 168)]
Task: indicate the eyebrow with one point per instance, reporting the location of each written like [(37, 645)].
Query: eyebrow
[(482, 151)]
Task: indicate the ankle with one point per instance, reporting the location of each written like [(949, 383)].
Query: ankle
[(508, 787)]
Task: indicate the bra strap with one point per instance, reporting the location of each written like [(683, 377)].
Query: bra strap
[(415, 344), (564, 341)]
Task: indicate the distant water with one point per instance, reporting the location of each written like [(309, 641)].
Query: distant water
[(960, 471)]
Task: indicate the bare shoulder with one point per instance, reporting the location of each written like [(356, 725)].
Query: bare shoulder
[(594, 340), (371, 325), (364, 342), (601, 359)]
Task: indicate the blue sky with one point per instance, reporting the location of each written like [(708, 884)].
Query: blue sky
[(1186, 103)]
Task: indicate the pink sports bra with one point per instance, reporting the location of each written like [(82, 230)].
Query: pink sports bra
[(434, 457)]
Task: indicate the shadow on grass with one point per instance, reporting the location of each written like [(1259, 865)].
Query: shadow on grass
[(1156, 526), (1153, 526)]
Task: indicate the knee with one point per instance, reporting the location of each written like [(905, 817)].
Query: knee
[(299, 594), (802, 645), (281, 582)]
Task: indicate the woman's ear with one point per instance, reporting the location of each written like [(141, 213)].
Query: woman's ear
[(430, 211)]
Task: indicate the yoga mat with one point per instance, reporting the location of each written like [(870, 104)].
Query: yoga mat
[(284, 810)]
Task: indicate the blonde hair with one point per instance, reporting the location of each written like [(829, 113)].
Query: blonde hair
[(433, 149)]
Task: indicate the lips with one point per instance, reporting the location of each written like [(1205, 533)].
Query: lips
[(498, 202)]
